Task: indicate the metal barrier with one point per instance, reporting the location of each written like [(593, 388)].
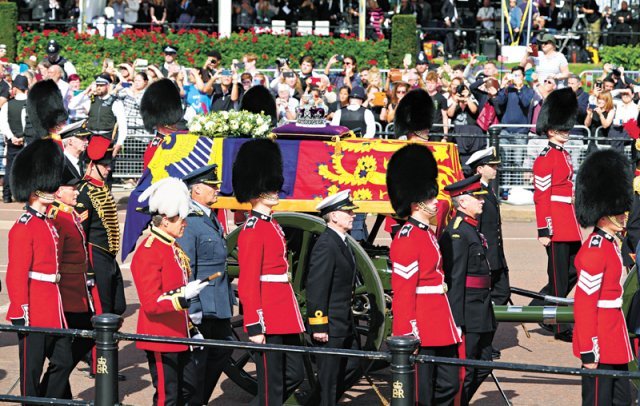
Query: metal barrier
[(401, 349)]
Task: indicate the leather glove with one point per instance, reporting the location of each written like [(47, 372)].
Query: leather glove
[(196, 318), (194, 288)]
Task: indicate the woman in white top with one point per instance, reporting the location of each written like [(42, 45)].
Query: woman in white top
[(626, 109)]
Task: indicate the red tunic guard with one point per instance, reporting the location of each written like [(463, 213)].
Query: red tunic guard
[(32, 272), (420, 304), (268, 300), (553, 195), (160, 270), (72, 254), (600, 332)]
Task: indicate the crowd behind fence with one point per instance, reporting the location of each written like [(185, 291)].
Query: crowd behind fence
[(400, 355)]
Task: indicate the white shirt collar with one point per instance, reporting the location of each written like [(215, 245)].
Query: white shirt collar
[(74, 160), (205, 209), (341, 235)]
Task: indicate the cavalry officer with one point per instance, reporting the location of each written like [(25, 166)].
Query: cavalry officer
[(160, 271), (33, 271), (271, 312), (600, 339), (420, 305), (72, 256), (97, 209), (464, 254), (161, 112), (484, 163), (203, 242), (330, 285), (558, 229)]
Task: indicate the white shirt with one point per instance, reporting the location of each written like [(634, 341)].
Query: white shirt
[(75, 161), (624, 112), (83, 101), (343, 236), (205, 209), (549, 65), (487, 12), (4, 117), (369, 120)]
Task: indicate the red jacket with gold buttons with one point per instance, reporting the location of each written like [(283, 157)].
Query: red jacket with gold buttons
[(72, 254), (33, 255), (600, 331), (417, 264), (160, 270), (268, 301)]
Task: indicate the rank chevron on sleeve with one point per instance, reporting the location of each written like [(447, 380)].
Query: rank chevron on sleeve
[(406, 271), (589, 283), (542, 182)]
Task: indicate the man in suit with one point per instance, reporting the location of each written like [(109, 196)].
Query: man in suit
[(484, 163), (450, 14), (330, 284), (203, 242), (74, 141)]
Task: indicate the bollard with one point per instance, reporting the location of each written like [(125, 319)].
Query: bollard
[(105, 326), (494, 141), (402, 370)]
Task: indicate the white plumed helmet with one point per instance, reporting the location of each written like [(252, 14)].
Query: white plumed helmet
[(169, 197)]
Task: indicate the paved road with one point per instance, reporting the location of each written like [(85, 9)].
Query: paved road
[(527, 263)]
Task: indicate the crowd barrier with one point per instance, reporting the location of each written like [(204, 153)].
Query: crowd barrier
[(400, 355)]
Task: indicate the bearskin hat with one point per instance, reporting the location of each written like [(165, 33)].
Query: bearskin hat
[(45, 107), (161, 105), (39, 167), (257, 169), (604, 187), (559, 111), (258, 99), (411, 177), (168, 197), (414, 113)]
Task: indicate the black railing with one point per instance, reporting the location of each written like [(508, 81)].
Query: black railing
[(400, 355)]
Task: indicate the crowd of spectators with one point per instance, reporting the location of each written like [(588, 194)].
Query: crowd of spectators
[(468, 98)]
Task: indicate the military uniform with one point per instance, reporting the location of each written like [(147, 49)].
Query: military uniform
[(269, 304), (330, 288), (468, 277), (97, 210), (556, 219), (421, 308)]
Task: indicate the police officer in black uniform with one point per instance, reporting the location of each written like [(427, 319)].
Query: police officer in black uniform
[(467, 273), (356, 116), (13, 122), (484, 163), (204, 244), (330, 284)]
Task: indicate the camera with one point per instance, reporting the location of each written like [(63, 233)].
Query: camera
[(239, 65), (339, 58), (616, 72), (280, 62), (288, 74), (460, 89)]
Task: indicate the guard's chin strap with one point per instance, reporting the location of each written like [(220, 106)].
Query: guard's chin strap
[(622, 225), (422, 206)]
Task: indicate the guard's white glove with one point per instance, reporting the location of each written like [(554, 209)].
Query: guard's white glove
[(198, 336), (196, 318), (459, 331), (194, 288)]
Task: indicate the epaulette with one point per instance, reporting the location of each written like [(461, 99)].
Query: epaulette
[(595, 241), (251, 222), (545, 151), (455, 235), (636, 184), (149, 242), (25, 218), (196, 212), (405, 231), (79, 205), (457, 222), (53, 212)]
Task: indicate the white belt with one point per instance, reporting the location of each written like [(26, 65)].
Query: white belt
[(45, 277), (562, 199), (610, 304), (432, 290), (274, 278)]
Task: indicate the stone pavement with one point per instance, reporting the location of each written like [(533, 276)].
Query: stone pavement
[(527, 263)]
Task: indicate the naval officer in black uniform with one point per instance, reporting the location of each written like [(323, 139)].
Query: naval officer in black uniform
[(468, 277), (485, 163), (330, 284)]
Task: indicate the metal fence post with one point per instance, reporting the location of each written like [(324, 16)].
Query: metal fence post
[(105, 326), (402, 370), (494, 141)]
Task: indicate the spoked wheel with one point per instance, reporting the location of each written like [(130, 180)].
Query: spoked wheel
[(302, 231)]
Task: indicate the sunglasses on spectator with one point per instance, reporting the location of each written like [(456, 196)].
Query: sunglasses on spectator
[(246, 82), (551, 82)]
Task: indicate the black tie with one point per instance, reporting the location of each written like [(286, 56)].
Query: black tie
[(214, 220), (353, 257)]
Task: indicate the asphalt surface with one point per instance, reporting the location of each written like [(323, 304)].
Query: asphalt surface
[(527, 264)]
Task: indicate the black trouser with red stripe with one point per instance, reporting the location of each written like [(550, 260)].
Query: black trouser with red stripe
[(601, 391), (279, 374), (166, 369), (33, 349), (437, 384), (108, 281), (561, 272)]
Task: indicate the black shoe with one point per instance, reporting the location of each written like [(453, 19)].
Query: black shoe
[(566, 336), (546, 327), (7, 200), (495, 354)]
